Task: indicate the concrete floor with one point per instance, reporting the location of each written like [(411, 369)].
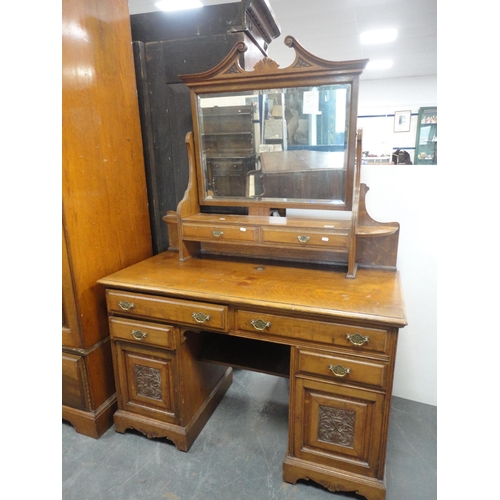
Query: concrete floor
[(238, 455)]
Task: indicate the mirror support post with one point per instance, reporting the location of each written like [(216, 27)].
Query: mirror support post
[(189, 205), (351, 265)]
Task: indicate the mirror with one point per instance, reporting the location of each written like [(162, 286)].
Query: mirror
[(276, 138), (275, 145), (272, 154)]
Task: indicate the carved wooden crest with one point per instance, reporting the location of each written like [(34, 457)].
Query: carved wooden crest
[(229, 70)]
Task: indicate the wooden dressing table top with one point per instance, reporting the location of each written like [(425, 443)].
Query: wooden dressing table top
[(374, 295)]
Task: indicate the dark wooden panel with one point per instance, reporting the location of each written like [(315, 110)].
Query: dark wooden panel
[(165, 46), (210, 20), (143, 95), (180, 123), (149, 67), (165, 110), (194, 55)]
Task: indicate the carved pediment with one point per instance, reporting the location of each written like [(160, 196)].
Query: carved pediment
[(305, 62)]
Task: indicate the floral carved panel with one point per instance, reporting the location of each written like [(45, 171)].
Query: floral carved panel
[(148, 382), (336, 426)]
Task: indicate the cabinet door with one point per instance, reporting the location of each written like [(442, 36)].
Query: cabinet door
[(146, 381), (337, 425)]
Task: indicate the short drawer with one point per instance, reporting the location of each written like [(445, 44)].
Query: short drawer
[(334, 334), (306, 238), (145, 333), (199, 232), (342, 369), (185, 312)]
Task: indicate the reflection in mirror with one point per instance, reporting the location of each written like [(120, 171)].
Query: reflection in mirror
[(276, 145)]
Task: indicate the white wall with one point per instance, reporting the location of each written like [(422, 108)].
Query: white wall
[(404, 194), (408, 194), (380, 97)]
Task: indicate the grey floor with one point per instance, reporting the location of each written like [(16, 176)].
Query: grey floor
[(238, 455)]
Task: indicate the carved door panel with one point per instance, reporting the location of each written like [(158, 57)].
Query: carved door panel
[(337, 426), (147, 377)]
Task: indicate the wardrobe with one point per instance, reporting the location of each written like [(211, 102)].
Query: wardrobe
[(105, 219)]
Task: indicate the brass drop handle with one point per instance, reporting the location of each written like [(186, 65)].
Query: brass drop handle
[(260, 324), (339, 370), (217, 233), (303, 239), (126, 306), (138, 335), (200, 317), (357, 339)]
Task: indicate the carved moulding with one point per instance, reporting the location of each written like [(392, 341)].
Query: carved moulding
[(306, 66)]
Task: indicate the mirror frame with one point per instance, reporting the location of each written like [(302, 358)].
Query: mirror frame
[(306, 70)]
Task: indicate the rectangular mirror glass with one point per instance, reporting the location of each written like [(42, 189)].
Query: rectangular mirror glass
[(275, 145)]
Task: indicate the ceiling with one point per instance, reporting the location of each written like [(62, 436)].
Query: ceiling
[(330, 29)]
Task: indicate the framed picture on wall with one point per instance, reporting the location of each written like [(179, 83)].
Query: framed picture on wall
[(402, 121)]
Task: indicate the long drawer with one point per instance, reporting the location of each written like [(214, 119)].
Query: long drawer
[(153, 334), (333, 334), (342, 369), (185, 312)]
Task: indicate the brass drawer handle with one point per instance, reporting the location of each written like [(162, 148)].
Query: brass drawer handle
[(126, 306), (303, 239), (138, 335), (217, 233), (357, 339), (201, 317), (339, 370), (260, 324)]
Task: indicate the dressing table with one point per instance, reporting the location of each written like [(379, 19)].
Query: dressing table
[(267, 275)]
